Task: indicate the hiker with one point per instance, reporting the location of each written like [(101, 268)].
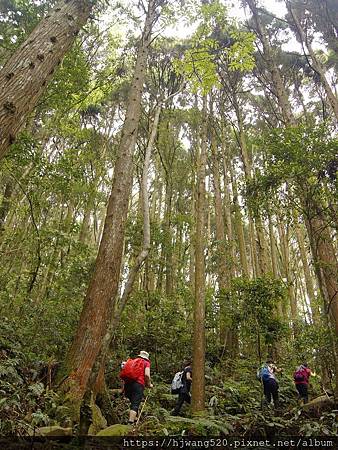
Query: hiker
[(266, 374), (301, 378), (184, 389), (136, 376)]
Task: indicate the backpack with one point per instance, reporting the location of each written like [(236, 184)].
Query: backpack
[(177, 383), (299, 375), (264, 373), (132, 370)]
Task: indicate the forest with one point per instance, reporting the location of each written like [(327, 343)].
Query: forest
[(168, 185)]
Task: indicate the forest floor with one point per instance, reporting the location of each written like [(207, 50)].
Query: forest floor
[(29, 405), (234, 409)]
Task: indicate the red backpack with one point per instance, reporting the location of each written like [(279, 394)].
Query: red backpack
[(133, 370)]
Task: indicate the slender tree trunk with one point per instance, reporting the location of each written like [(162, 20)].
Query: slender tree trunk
[(222, 253), (49, 274), (66, 227), (103, 288), (6, 202), (274, 260), (155, 218), (226, 250), (198, 386), (230, 229), (259, 249), (84, 231), (274, 256), (284, 240), (168, 239), (146, 222), (263, 259), (256, 269), (307, 274), (24, 77), (239, 227), (97, 375), (191, 247)]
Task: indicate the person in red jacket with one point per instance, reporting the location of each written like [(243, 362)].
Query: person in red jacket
[(301, 378), (133, 388)]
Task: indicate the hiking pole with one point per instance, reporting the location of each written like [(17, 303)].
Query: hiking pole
[(327, 395), (139, 416)]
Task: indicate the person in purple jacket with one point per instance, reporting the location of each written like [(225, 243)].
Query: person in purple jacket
[(301, 378)]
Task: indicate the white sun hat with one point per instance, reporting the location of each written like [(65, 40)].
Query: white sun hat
[(144, 355)]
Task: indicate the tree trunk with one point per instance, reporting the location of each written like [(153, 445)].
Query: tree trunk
[(24, 77), (325, 261), (146, 221), (103, 288), (191, 247), (274, 260), (263, 259), (198, 386), (84, 230), (222, 253), (6, 202), (259, 249), (307, 274), (96, 379), (168, 250), (253, 248), (229, 220), (274, 257), (284, 240), (239, 227)]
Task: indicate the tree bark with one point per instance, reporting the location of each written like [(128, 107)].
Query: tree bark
[(24, 77)]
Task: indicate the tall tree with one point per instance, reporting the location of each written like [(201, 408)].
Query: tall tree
[(198, 387), (279, 88), (103, 288)]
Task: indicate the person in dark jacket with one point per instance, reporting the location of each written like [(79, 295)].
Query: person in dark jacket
[(184, 393)]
